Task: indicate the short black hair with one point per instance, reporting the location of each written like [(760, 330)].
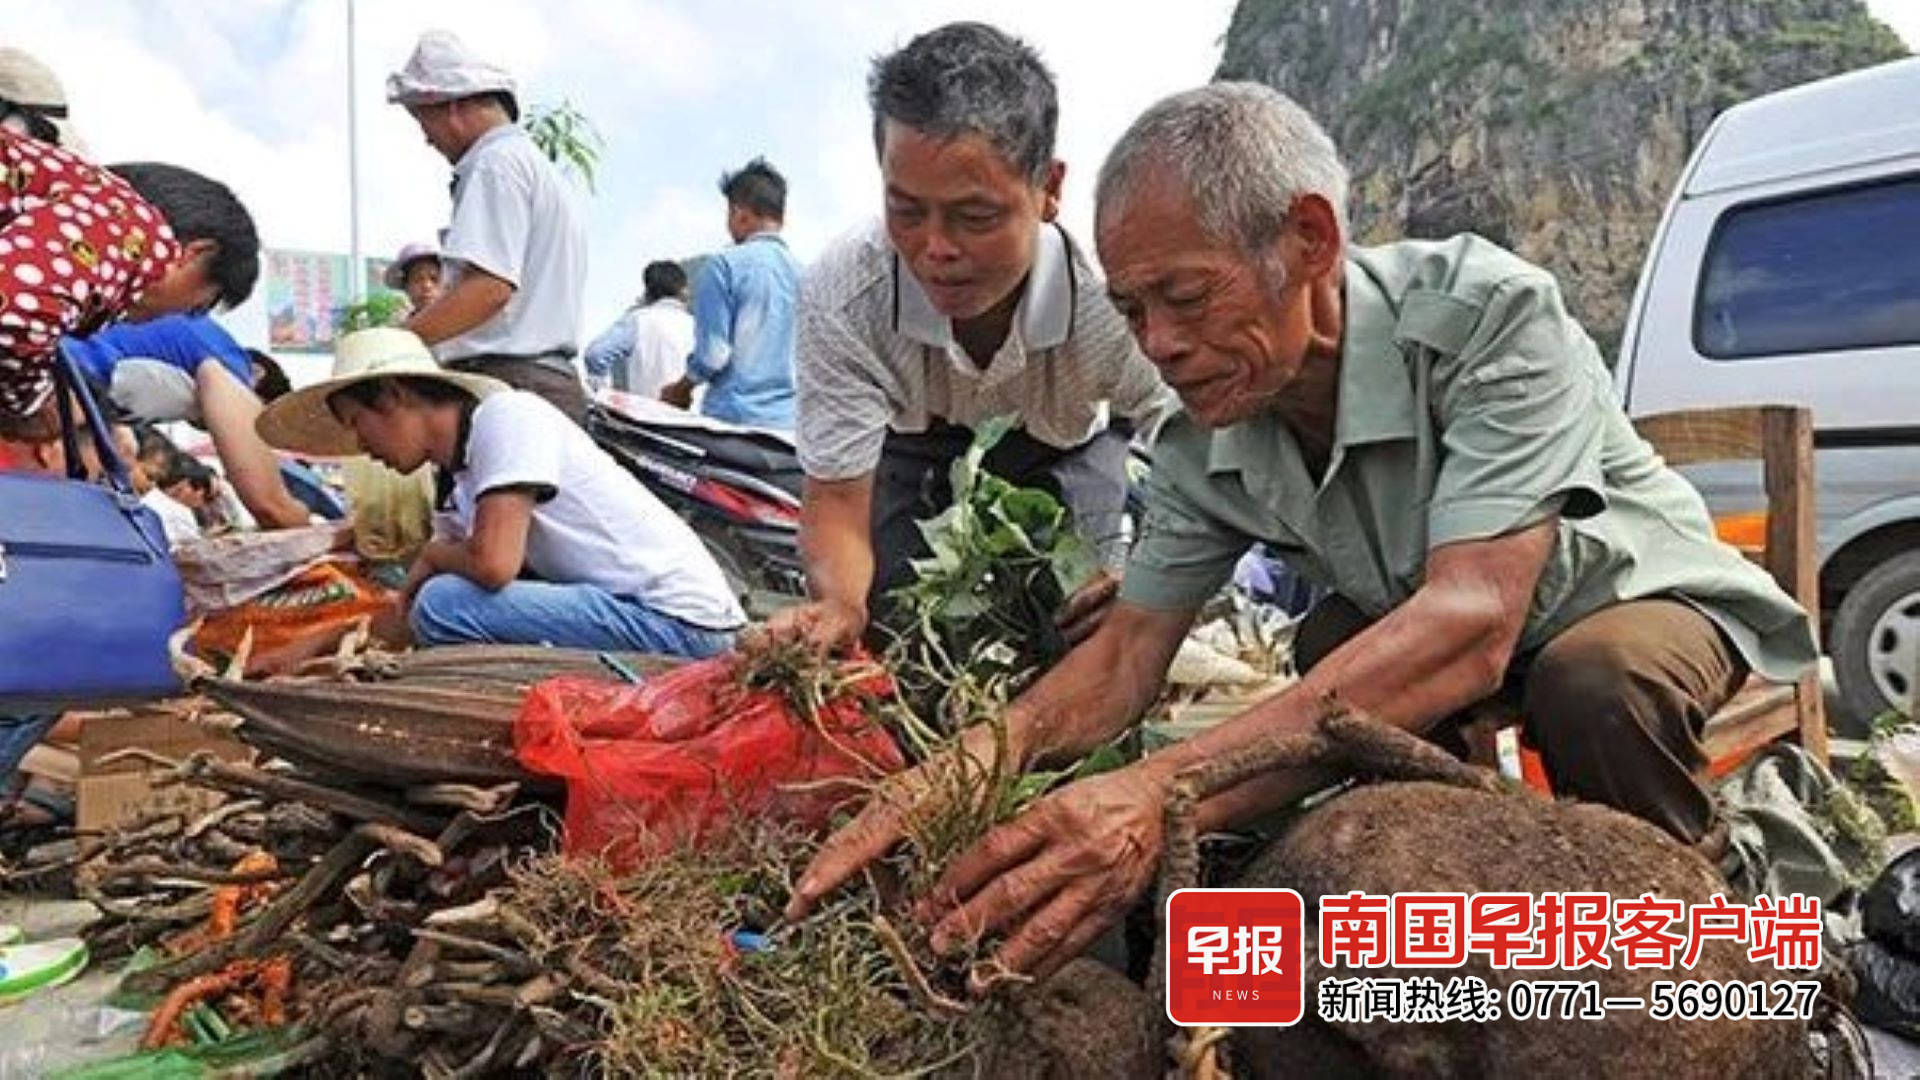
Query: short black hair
[(186, 469), (968, 78), (153, 442), (199, 208), (757, 186), (369, 393), (663, 278), (272, 383)]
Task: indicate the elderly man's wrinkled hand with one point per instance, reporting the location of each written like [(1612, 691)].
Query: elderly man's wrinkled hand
[(1054, 878), (882, 824)]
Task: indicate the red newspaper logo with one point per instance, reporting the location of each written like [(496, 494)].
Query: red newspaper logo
[(1235, 957)]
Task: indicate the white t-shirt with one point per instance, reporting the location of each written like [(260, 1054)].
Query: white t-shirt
[(176, 520), (662, 339), (515, 217), (600, 526)]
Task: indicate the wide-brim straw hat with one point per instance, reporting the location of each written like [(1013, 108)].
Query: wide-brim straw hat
[(303, 423)]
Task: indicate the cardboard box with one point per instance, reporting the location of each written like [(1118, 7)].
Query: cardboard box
[(112, 792)]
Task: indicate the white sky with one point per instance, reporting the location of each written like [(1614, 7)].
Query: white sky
[(253, 92)]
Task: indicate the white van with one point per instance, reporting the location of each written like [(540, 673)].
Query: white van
[(1787, 270)]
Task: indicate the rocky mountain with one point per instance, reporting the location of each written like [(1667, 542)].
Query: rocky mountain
[(1555, 127)]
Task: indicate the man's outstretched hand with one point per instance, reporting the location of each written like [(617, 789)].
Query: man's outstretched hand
[(828, 626)]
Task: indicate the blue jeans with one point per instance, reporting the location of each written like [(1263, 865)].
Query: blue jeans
[(19, 734), (450, 610)]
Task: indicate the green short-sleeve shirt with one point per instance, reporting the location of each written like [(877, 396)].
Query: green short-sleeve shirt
[(1470, 405)]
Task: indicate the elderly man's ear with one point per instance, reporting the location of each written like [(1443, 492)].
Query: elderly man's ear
[(1313, 228)]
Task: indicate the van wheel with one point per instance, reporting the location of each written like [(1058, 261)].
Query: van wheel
[(1875, 641)]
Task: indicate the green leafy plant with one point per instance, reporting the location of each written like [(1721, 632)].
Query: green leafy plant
[(1003, 560), (1883, 792), (381, 308), (568, 139)]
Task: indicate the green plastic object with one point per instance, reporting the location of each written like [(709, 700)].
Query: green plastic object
[(256, 1054), (41, 965)]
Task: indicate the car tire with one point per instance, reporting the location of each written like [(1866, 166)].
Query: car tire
[(1875, 643)]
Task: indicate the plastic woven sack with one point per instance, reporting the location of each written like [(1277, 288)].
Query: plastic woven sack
[(303, 618), (652, 766), (223, 571)]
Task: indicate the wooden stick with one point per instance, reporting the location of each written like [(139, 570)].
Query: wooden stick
[(220, 814), (517, 962), (204, 769), (268, 926), (419, 848), (147, 866), (472, 797), (453, 1018)]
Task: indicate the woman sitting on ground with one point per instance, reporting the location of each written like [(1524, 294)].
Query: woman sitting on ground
[(547, 539)]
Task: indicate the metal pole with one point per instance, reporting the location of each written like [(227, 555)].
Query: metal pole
[(356, 271)]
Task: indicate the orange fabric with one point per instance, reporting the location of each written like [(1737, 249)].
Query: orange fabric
[(296, 622)]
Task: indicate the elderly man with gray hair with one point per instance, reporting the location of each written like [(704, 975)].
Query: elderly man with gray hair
[(965, 303), (1420, 428)]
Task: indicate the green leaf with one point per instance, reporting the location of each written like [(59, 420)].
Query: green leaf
[(1074, 562), (964, 607), (1031, 509), (1104, 759), (568, 139), (1008, 539)]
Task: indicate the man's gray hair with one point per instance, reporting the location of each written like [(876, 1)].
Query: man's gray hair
[(1243, 152), (968, 78)]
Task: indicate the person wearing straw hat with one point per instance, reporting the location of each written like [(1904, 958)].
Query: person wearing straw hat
[(416, 272), (514, 255), (547, 540)]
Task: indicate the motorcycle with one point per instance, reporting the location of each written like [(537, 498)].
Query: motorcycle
[(738, 487)]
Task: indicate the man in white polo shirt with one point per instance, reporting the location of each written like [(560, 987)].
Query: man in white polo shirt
[(514, 256), (967, 303), (548, 540)]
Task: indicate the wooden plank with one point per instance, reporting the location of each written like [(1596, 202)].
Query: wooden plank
[(1730, 746), (1781, 436), (1811, 705), (1757, 698), (1787, 461), (1693, 436)]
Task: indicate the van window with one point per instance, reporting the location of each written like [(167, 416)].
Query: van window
[(1839, 269)]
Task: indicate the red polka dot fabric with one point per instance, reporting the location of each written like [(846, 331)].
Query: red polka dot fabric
[(77, 248)]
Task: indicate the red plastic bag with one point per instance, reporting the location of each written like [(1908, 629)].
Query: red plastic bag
[(655, 765)]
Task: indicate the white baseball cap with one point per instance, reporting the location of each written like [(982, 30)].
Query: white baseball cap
[(29, 85)]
